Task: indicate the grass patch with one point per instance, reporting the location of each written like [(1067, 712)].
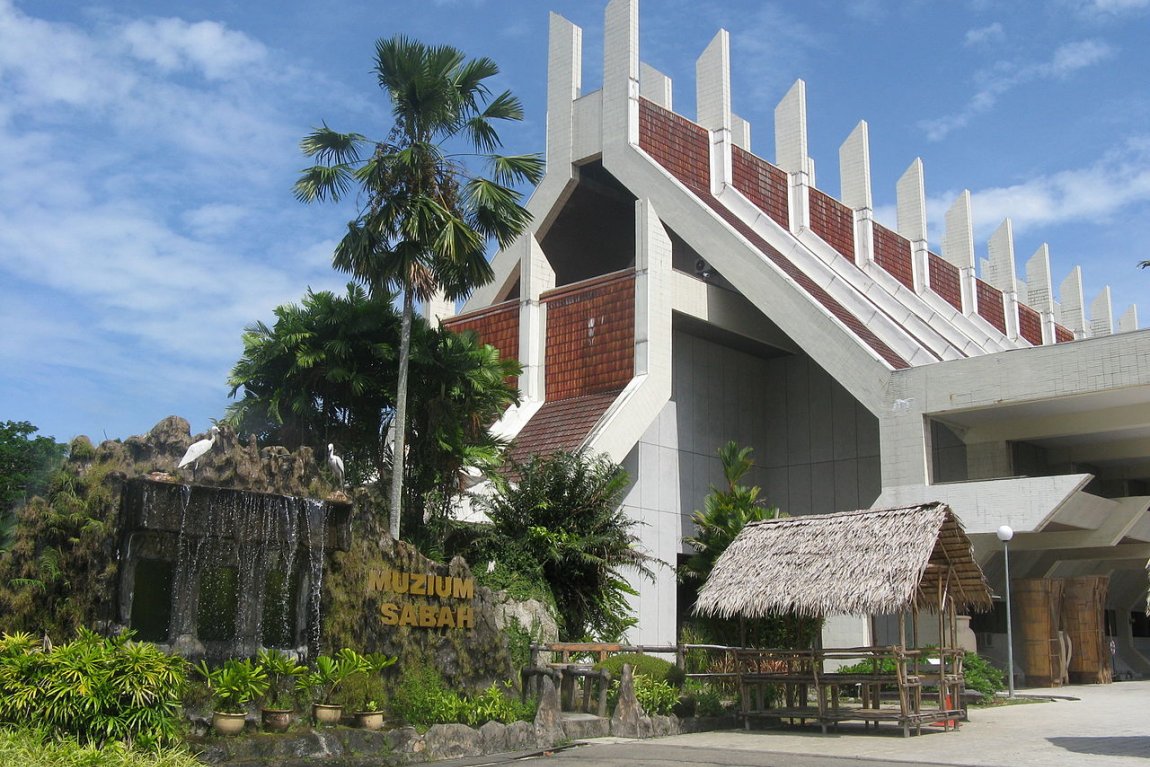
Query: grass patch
[(34, 749)]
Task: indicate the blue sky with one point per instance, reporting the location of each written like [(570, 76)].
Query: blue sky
[(147, 152)]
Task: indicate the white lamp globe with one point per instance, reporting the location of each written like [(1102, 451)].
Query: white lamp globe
[(1005, 533)]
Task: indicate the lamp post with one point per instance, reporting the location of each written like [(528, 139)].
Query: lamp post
[(1005, 533)]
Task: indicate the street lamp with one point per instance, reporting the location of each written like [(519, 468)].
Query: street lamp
[(1005, 533)]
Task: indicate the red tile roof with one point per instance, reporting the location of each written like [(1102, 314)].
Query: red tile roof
[(560, 425)]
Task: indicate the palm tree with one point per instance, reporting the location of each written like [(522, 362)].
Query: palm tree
[(425, 217)]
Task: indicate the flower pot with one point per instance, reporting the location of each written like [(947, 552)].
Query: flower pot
[(325, 714), (369, 720), (276, 719), (225, 723)]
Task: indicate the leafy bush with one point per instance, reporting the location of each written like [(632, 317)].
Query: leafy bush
[(644, 665), (93, 688), (654, 696), (708, 699), (235, 685), (494, 705), (422, 699), (36, 748), (982, 676), (282, 673)]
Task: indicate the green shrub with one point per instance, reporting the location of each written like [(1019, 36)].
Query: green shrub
[(644, 665), (494, 705), (36, 748), (654, 696), (94, 689), (982, 676), (422, 699), (708, 698), (235, 685)]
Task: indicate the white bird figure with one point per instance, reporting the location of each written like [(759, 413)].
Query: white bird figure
[(336, 464), (197, 450)]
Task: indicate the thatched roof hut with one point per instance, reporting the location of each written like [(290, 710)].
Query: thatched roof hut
[(871, 562)]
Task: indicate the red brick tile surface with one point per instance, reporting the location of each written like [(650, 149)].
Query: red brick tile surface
[(892, 253), (497, 325), (761, 183), (1030, 325), (590, 336), (944, 280), (1062, 334), (834, 222), (560, 425), (990, 305)]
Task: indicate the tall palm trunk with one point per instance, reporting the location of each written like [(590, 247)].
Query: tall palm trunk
[(399, 436)]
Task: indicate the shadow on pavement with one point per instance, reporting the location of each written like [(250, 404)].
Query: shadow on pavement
[(1130, 745)]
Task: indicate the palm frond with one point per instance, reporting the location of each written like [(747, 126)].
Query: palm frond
[(323, 182), (331, 147)]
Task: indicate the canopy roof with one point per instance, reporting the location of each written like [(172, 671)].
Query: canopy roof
[(870, 562)]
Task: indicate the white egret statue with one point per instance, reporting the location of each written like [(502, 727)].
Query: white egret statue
[(336, 464), (197, 450)]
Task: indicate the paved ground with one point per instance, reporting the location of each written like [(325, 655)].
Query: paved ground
[(1106, 725)]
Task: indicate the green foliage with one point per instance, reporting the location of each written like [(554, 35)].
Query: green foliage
[(981, 676), (331, 671), (325, 372), (649, 666), (563, 524), (422, 698), (38, 748), (656, 697), (235, 685), (725, 513), (27, 464), (282, 672), (519, 641), (707, 698), (60, 570), (425, 218), (95, 689)]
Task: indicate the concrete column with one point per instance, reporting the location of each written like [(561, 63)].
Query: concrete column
[(1040, 290), (1072, 303), (620, 76), (740, 132), (1101, 314), (958, 249), (1129, 320), (652, 293), (791, 152), (564, 83), (910, 194), (713, 104), (536, 278), (1000, 247), (438, 308), (654, 86), (854, 179)]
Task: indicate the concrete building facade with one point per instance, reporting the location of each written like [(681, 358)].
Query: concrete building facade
[(677, 291)]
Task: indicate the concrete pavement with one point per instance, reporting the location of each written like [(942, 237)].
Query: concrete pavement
[(1103, 725)]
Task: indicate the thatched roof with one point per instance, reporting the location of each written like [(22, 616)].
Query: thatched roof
[(873, 562)]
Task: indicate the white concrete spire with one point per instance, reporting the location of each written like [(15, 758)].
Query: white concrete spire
[(1129, 319), (654, 86), (958, 248), (713, 104), (1101, 314), (910, 195), (1072, 303), (854, 179), (791, 153), (620, 75)]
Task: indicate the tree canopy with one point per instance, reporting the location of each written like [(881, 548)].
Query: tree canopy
[(425, 213), (27, 464)]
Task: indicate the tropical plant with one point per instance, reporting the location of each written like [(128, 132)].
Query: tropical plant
[(725, 513), (421, 698), (563, 522), (26, 466), (40, 748), (95, 689), (331, 671), (282, 672), (980, 675), (324, 373), (235, 685), (426, 217)]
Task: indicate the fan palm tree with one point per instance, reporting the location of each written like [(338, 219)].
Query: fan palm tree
[(425, 217)]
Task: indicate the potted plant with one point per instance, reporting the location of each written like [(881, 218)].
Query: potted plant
[(368, 691), (234, 685), (323, 682), (281, 672)]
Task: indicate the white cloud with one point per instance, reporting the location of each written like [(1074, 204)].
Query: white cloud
[(207, 46), (1006, 76), (988, 35), (771, 47), (1097, 193)]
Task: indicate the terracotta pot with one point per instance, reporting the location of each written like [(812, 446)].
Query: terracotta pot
[(369, 720), (276, 719), (325, 714), (225, 723)]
